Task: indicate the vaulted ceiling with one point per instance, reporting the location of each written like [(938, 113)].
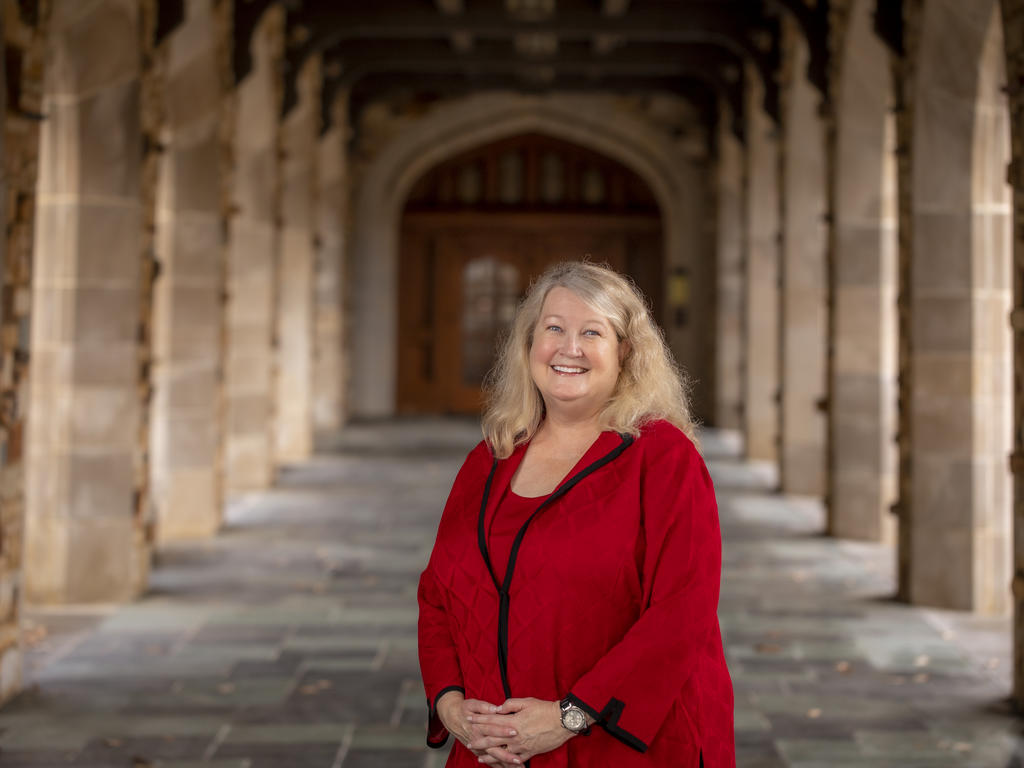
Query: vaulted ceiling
[(430, 49)]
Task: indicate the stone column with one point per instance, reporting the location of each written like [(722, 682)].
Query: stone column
[(84, 541), (730, 238), (959, 278), (299, 143), (760, 415), (186, 418), (804, 241), (862, 403), (1013, 28), (252, 274), (331, 206)]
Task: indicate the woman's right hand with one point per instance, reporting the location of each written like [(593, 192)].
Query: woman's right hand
[(453, 708)]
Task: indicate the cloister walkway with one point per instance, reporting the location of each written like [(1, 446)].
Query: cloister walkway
[(289, 640)]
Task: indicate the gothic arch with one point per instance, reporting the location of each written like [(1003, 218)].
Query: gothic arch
[(588, 121)]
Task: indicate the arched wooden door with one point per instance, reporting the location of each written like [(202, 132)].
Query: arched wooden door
[(472, 240)]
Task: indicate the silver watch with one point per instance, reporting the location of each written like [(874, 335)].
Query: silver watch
[(573, 718)]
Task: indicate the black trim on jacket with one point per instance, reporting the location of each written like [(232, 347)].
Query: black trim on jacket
[(432, 713), (608, 718)]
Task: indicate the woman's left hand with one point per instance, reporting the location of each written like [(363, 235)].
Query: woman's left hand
[(538, 727)]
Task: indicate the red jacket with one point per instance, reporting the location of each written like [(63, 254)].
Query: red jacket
[(612, 600)]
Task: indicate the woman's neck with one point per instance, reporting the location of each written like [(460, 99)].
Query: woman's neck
[(568, 432)]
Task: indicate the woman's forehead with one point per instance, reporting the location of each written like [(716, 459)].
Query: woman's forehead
[(567, 300)]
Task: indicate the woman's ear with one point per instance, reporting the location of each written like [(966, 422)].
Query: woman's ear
[(624, 350)]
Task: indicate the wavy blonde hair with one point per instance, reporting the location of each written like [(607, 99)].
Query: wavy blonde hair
[(650, 385)]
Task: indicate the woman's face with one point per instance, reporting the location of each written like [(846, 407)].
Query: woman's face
[(575, 357)]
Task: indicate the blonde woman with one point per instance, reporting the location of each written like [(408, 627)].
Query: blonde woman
[(568, 611)]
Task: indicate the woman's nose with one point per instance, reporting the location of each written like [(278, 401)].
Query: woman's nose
[(571, 344)]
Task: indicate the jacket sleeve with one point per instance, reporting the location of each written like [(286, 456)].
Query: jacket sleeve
[(439, 662), (632, 687)]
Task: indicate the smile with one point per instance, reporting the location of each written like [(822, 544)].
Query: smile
[(568, 369)]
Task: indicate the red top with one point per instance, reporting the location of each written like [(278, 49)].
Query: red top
[(612, 601), (513, 511)]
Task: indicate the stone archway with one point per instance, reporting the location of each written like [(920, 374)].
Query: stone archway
[(595, 122)]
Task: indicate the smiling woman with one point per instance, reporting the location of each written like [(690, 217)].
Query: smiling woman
[(575, 577)]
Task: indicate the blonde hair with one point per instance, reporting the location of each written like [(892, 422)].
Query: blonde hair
[(650, 385)]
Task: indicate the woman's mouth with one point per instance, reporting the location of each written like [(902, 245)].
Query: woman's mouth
[(568, 370)]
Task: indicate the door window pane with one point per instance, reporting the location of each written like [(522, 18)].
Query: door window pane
[(490, 290)]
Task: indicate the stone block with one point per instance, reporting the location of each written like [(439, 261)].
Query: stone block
[(102, 560), (192, 441), (195, 386), (104, 417), (113, 365), (196, 305), (248, 462), (93, 45), (941, 574), (57, 246), (193, 84), (46, 552), (53, 314), (942, 253), (195, 344), (945, 375), (942, 426), (248, 374), (859, 254), (110, 141), (249, 414), (189, 508), (943, 493), (196, 249), (105, 315), (942, 324), (101, 485), (255, 181), (195, 175), (942, 150), (109, 244)]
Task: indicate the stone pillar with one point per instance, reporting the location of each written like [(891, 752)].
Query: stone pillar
[(299, 137), (331, 205), (188, 307), (959, 280), (730, 238), (804, 240), (84, 540), (252, 274), (19, 148), (862, 402), (760, 415), (1013, 29)]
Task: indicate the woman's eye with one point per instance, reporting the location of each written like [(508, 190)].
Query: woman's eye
[(591, 332), (554, 328)]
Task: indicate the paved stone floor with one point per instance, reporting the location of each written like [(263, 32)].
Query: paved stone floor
[(289, 640)]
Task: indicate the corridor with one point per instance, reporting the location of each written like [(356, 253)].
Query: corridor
[(288, 641)]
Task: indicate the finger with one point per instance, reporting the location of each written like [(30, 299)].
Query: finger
[(499, 720), (494, 730), (481, 707), (504, 755), (486, 742), (513, 705)]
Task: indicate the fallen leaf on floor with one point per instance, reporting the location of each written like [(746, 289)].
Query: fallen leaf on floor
[(113, 743), (843, 667), (768, 648), (921, 677), (226, 687), (922, 661), (814, 714)]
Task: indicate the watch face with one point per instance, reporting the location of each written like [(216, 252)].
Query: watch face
[(573, 719)]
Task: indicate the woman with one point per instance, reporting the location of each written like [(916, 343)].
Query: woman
[(568, 611)]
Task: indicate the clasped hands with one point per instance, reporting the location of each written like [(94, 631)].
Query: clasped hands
[(506, 734)]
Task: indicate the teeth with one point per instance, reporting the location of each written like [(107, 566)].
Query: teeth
[(567, 369)]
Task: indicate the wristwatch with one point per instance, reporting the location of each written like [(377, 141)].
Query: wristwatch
[(573, 718)]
